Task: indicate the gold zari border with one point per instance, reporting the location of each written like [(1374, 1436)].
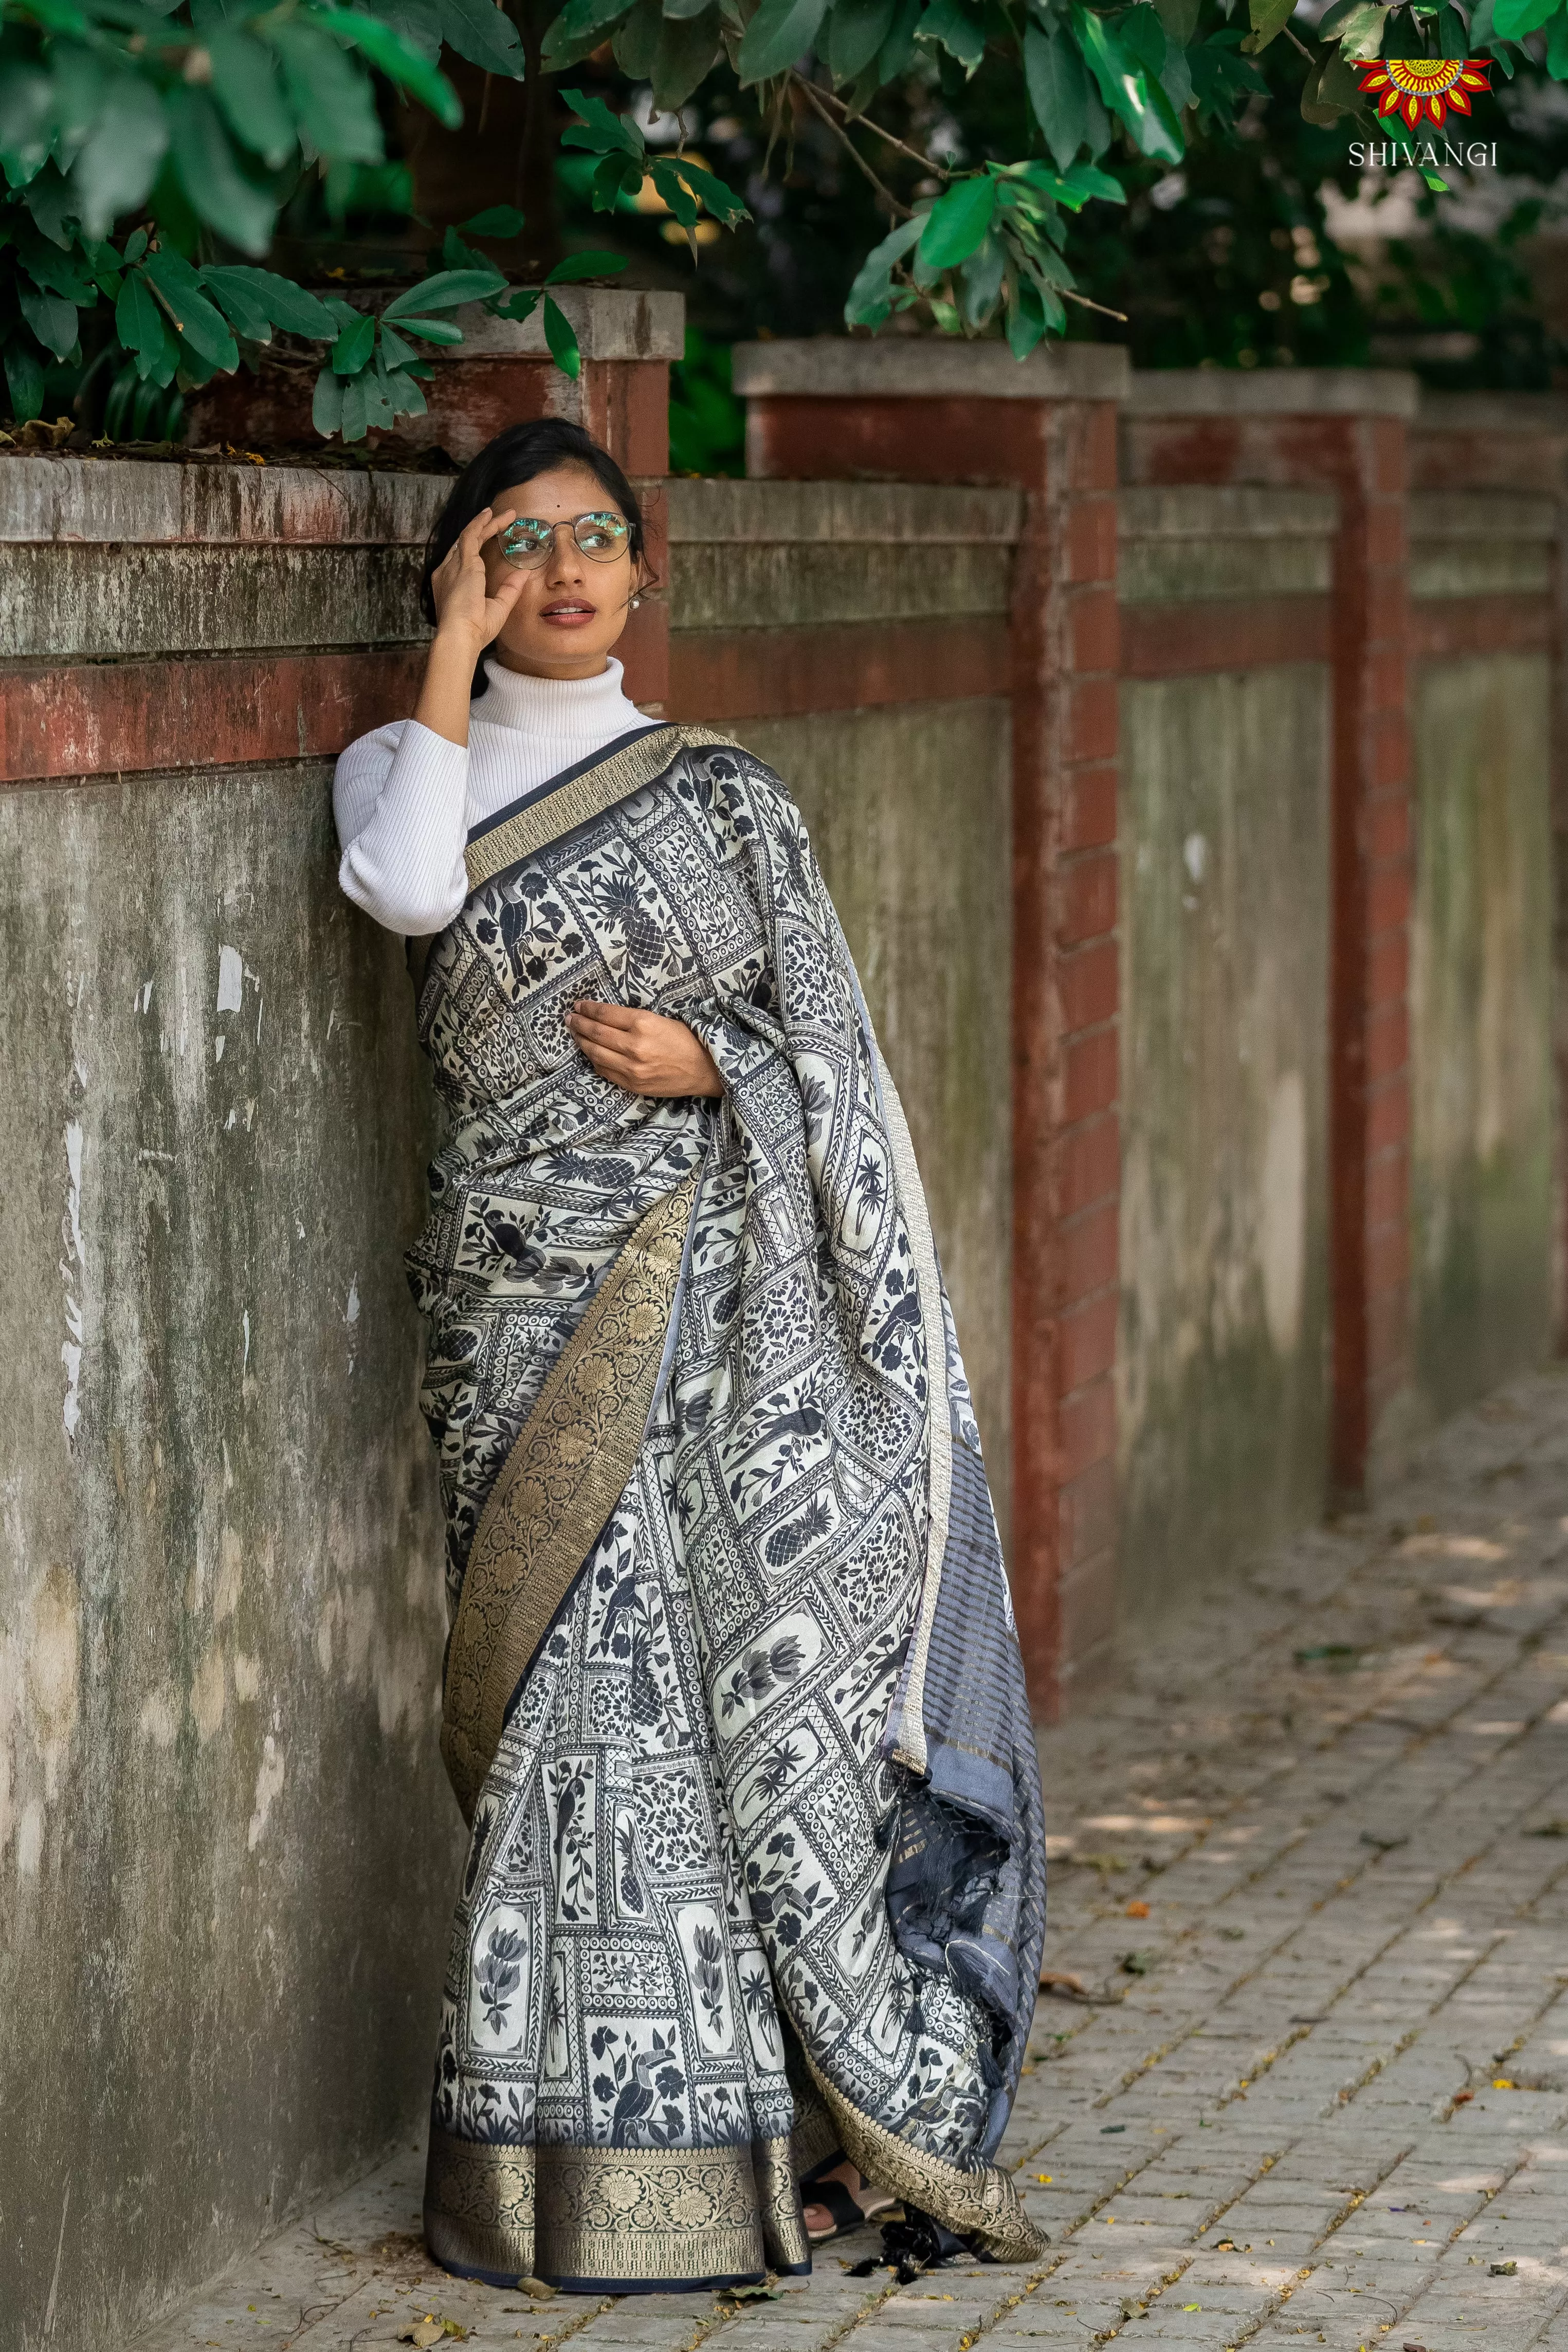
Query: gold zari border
[(556, 1488), (585, 797), (632, 2216), (983, 2205)]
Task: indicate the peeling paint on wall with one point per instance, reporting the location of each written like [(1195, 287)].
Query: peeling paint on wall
[(268, 1781)]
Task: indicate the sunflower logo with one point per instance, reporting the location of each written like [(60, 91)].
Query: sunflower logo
[(1423, 89)]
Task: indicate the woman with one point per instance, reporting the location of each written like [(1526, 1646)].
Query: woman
[(754, 1889)]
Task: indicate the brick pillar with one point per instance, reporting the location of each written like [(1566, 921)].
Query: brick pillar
[(501, 374), (969, 412), (1518, 441), (1343, 430)]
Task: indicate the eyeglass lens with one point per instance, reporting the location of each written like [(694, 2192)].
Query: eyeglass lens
[(528, 541)]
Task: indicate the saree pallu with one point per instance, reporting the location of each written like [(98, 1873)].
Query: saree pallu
[(731, 1701)]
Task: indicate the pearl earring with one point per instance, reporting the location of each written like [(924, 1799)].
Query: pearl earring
[(635, 602)]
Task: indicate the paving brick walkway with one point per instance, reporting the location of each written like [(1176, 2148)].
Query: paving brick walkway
[(1312, 1871)]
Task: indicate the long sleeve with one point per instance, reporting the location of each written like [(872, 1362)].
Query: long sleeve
[(402, 803)]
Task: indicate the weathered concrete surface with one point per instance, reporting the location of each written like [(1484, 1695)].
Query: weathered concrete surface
[(225, 1841), (1481, 1024), (781, 554), (908, 811), (1188, 542), (1225, 934), (1323, 1818)]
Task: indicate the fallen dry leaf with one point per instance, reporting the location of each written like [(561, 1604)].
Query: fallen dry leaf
[(1137, 1911), (1062, 1982), (535, 2286)]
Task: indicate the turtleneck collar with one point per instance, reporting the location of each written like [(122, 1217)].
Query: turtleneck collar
[(594, 708)]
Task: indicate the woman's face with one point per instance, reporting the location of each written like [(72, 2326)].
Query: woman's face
[(572, 608)]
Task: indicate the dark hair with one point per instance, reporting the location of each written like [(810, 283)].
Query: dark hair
[(516, 456)]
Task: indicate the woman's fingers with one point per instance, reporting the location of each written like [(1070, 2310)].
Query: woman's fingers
[(612, 1016), (488, 524), (591, 1028)]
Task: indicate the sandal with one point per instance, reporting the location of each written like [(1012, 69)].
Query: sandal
[(845, 2208)]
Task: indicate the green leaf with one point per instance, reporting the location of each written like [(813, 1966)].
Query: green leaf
[(1332, 90), (138, 317), (1025, 319), (246, 314), (51, 318), (1511, 20), (219, 190), (1453, 40), (948, 24), (408, 400), (283, 303), (245, 84), (119, 160), (355, 346), (671, 183), (855, 31), (636, 42), (445, 291), (1360, 29), (1179, 18), (352, 426), (1142, 36), (957, 222), (617, 184), (897, 53), (520, 305), (327, 407), (979, 281), (429, 331), (688, 48), (27, 107), (779, 32), (563, 342), (599, 129), (483, 34), (24, 378), (458, 256), (1267, 19), (1126, 89), (578, 30), (870, 297), (51, 201), (199, 326), (331, 96), (586, 264), (396, 59), (500, 220), (1059, 92)]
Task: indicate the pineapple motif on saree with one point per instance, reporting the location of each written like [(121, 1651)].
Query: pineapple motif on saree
[(732, 1701)]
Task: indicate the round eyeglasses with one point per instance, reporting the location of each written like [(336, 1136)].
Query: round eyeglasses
[(528, 541)]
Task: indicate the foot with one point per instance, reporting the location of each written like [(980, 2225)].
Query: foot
[(820, 2223)]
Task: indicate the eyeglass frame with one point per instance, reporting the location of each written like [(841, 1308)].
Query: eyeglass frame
[(565, 522)]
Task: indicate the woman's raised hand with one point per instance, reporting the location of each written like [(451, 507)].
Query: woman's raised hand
[(645, 1053), (464, 605)]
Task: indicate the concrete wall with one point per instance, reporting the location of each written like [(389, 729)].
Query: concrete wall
[(907, 798), (228, 1845), (1224, 945), (1481, 951)]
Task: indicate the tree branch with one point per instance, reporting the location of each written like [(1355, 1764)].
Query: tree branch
[(814, 99), (913, 153)]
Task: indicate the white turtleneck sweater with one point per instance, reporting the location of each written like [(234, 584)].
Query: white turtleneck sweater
[(405, 800)]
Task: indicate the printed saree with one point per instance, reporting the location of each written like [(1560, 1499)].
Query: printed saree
[(732, 1701)]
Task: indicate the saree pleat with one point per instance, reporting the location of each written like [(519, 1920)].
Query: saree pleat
[(754, 1875)]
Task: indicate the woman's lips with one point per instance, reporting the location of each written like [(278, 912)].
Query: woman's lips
[(569, 613)]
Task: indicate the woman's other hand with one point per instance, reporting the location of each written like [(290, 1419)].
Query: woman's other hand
[(463, 605), (643, 1052)]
